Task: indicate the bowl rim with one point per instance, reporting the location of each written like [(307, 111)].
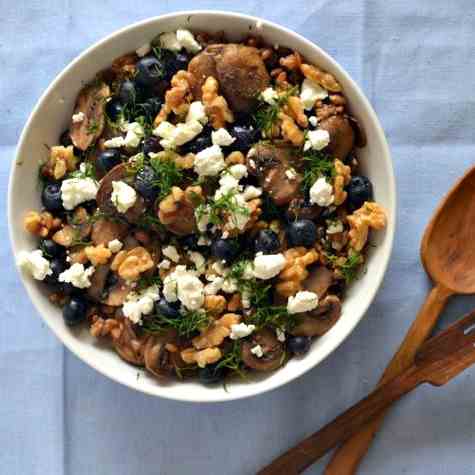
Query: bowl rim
[(390, 231)]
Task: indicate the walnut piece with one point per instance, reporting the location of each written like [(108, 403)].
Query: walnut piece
[(235, 158), (40, 224), (326, 80), (201, 358), (342, 178), (295, 270), (98, 254), (61, 160), (215, 304), (369, 216), (135, 261), (216, 106), (101, 327), (78, 257), (215, 334), (292, 62), (290, 131), (65, 236), (234, 303), (295, 109)]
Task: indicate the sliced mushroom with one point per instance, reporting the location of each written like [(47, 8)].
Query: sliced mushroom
[(270, 163), (342, 135), (106, 230), (129, 345), (360, 134), (272, 348), (103, 198), (91, 102), (301, 209), (98, 282), (319, 321), (162, 355), (117, 294), (318, 281), (80, 223), (239, 69)]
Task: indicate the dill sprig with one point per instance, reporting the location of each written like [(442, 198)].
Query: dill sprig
[(317, 164), (232, 359), (87, 171), (225, 204), (147, 281), (274, 316), (349, 267), (186, 324), (167, 175)]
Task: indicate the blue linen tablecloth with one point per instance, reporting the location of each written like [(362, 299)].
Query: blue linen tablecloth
[(415, 60)]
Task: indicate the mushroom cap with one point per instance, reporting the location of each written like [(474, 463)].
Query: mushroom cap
[(318, 281), (158, 359), (272, 348), (342, 135)]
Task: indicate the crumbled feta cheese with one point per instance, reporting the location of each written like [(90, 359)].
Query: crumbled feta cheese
[(114, 142), (171, 253), (75, 191), (267, 266), (316, 139), (335, 227), (227, 184), (302, 301), (313, 120), (187, 41), (214, 286), (229, 286), (245, 299), (169, 41), (164, 264), (311, 92), (78, 118), (240, 216), (134, 135), (202, 218), (219, 268), (251, 192), (241, 330), (257, 351), (114, 246), (197, 112), (238, 171), (222, 137), (123, 196), (164, 130), (280, 334), (269, 95), (183, 285), (138, 304), (77, 275), (291, 174), (204, 241), (210, 161), (143, 50), (176, 135), (321, 193), (198, 260), (34, 263)]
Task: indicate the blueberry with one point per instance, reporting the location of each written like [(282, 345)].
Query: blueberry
[(150, 108), (190, 243), (302, 232), (112, 279), (267, 242), (298, 345), (211, 374), (150, 71), (167, 309), (108, 159), (51, 249), (246, 136), (173, 62), (57, 266), (114, 109), (199, 143), (151, 144), (51, 197), (75, 310), (145, 183), (225, 249), (127, 92), (359, 190)]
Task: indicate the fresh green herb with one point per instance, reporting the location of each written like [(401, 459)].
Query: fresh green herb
[(135, 164), (225, 204), (349, 267), (92, 127), (267, 114), (273, 316), (186, 325), (318, 164), (167, 175), (157, 50), (147, 281), (87, 171), (232, 359)]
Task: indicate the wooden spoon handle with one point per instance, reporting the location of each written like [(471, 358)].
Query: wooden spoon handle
[(346, 459), (297, 459)]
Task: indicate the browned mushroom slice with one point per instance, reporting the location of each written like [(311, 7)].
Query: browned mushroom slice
[(162, 355), (129, 345), (342, 135), (98, 282), (319, 321), (318, 281), (300, 209), (360, 134), (239, 69), (106, 230), (91, 103), (103, 198), (117, 294), (270, 163), (272, 348)]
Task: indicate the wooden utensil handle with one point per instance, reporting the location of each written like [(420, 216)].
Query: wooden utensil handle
[(297, 459), (346, 459)]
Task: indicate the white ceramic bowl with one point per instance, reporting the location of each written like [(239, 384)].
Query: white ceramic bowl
[(52, 115)]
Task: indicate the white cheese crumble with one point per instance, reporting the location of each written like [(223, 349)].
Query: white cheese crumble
[(77, 275), (251, 192), (257, 351), (213, 287), (302, 301), (169, 41), (210, 161), (335, 227), (34, 263), (134, 134), (238, 171), (171, 253), (175, 41), (321, 193), (75, 191), (183, 285), (114, 246), (313, 120), (176, 135), (197, 112), (198, 260), (241, 330), (229, 286), (316, 139), (280, 334), (123, 196), (269, 95), (164, 264), (114, 142), (138, 304), (78, 118), (267, 266), (143, 50), (311, 92), (222, 137), (291, 174)]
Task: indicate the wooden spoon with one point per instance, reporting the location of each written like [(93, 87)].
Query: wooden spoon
[(438, 361)]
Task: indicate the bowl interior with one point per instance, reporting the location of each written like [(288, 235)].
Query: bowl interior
[(50, 118)]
